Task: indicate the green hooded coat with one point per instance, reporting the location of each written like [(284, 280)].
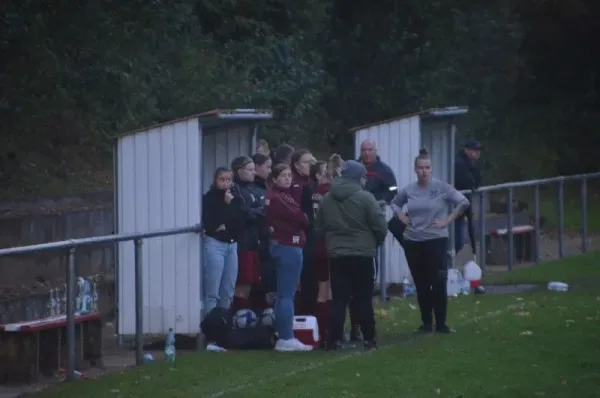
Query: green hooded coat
[(351, 220)]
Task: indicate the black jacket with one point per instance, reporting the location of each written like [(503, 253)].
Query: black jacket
[(216, 212), (259, 187), (380, 178), (254, 209), (467, 175)]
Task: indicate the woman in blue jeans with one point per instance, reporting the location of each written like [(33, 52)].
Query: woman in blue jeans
[(223, 221), (287, 223)]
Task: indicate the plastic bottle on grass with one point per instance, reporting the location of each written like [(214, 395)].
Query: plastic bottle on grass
[(170, 346), (558, 286)]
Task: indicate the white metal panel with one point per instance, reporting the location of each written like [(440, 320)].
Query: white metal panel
[(221, 147), (436, 137), (398, 144), (160, 187)]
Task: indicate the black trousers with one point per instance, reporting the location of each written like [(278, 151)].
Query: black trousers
[(427, 263), (352, 277)]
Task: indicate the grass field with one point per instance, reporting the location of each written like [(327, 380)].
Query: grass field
[(537, 344)]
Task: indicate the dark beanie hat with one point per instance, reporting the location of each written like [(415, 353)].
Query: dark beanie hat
[(353, 170)]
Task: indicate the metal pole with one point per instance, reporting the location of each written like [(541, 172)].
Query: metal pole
[(139, 307), (71, 281), (509, 232), (382, 274), (536, 216), (381, 263), (584, 242), (561, 219), (482, 231)]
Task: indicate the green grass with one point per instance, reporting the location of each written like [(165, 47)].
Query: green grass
[(577, 270), (538, 344)]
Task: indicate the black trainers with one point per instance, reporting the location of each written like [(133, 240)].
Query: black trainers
[(444, 329), (356, 334), (370, 345), (334, 346), (424, 329)]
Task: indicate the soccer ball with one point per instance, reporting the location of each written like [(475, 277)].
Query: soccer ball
[(245, 319), (267, 317)]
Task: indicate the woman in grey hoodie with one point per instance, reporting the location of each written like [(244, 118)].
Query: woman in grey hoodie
[(426, 239)]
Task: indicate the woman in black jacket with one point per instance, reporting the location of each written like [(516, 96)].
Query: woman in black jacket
[(223, 222), (262, 164), (248, 245)]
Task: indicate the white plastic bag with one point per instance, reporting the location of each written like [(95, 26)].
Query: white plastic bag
[(472, 271)]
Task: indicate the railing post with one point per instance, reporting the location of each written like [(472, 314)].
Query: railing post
[(482, 231), (509, 233), (536, 216), (584, 241), (139, 307), (380, 266), (561, 218), (71, 282)]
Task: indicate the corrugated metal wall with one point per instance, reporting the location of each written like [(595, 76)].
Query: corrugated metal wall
[(435, 136), (159, 186), (398, 144), (221, 147)]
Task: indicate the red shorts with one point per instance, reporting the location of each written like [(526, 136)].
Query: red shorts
[(248, 268)]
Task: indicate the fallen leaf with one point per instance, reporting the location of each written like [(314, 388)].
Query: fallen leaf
[(565, 382)]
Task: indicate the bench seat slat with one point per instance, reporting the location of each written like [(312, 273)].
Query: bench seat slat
[(47, 323)]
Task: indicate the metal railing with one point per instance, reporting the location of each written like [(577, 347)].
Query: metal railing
[(535, 184), (71, 246), (482, 195)]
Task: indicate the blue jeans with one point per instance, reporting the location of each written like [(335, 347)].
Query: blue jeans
[(220, 273), (288, 268), (459, 233)]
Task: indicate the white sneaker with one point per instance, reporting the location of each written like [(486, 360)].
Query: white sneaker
[(291, 345)]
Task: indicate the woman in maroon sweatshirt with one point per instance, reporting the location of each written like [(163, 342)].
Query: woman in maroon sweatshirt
[(301, 190), (288, 224), (323, 173)]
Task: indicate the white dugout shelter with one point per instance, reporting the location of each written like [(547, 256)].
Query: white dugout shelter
[(398, 142), (161, 174)]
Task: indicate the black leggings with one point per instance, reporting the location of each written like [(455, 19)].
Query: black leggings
[(427, 263)]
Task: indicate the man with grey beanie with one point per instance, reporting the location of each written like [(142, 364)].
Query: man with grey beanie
[(354, 227)]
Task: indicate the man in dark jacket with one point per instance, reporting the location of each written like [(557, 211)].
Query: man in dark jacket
[(354, 227), (380, 177), (467, 176)]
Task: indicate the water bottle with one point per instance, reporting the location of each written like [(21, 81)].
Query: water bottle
[(170, 346), (558, 286), (407, 288)]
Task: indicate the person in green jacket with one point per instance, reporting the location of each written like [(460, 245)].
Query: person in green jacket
[(354, 227)]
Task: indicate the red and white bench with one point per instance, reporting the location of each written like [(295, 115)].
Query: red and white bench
[(31, 348), (523, 245)]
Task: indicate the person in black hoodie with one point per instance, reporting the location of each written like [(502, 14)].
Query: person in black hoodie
[(264, 292), (467, 176), (249, 243), (223, 222)]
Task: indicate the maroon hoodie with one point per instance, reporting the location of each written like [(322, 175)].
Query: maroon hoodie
[(286, 220), (299, 183)]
